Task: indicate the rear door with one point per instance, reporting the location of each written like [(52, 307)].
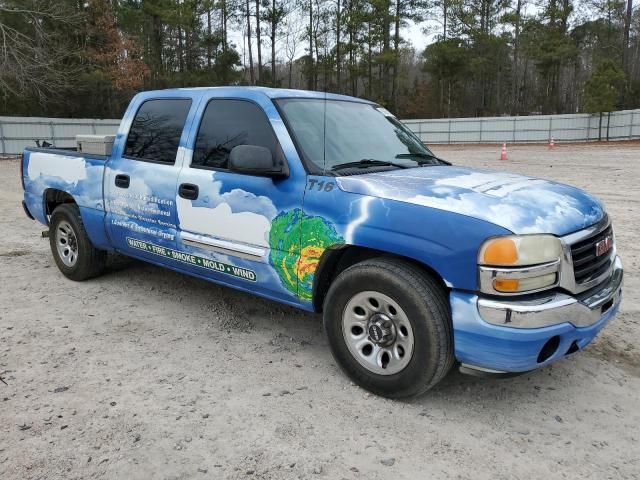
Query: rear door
[(140, 181), (239, 228)]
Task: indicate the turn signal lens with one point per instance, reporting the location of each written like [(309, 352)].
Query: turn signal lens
[(506, 284), (513, 285), (502, 251)]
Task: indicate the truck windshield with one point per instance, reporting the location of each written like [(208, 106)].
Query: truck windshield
[(336, 134)]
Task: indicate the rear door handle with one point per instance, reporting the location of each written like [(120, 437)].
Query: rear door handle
[(188, 191), (122, 181)]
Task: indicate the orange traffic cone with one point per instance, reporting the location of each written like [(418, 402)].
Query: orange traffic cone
[(503, 152), (552, 144)]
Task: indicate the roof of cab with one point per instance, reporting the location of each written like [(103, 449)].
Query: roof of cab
[(272, 93)]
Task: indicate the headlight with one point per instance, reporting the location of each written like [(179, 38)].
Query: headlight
[(519, 263), (515, 250)]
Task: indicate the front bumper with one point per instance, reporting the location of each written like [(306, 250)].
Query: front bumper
[(550, 309), (505, 335)]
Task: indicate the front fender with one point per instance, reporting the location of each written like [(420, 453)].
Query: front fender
[(446, 242)]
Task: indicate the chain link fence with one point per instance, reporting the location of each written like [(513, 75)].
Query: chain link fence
[(16, 133)]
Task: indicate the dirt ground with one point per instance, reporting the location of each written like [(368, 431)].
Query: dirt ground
[(144, 373)]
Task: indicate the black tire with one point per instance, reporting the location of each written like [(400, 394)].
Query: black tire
[(426, 305), (90, 261)]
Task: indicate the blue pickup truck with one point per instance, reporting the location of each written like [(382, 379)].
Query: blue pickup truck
[(330, 204)]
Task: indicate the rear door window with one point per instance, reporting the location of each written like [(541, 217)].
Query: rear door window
[(156, 130), (227, 124)]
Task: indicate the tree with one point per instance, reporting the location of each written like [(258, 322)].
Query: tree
[(404, 11), (274, 16), (547, 42), (113, 55), (249, 46), (386, 57), (258, 40), (37, 57), (514, 18), (488, 57), (442, 12), (311, 70), (603, 88), (446, 61), (625, 37), (338, 45), (293, 34)]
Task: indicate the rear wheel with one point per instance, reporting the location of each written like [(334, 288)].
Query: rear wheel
[(389, 327), (73, 252)]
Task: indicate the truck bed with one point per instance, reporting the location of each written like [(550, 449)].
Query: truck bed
[(46, 171), (66, 151)]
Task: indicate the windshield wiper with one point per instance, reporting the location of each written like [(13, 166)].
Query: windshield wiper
[(427, 156), (368, 162)]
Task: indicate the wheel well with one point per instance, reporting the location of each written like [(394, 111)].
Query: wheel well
[(54, 197), (335, 260)]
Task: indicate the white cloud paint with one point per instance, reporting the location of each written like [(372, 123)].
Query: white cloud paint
[(236, 215), (69, 169), (221, 222), (520, 204)]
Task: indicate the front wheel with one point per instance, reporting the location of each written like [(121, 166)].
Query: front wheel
[(389, 327), (72, 250)]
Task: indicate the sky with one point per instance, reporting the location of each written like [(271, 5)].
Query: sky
[(415, 35)]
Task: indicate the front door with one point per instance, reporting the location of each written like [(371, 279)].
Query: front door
[(237, 228), (140, 181)]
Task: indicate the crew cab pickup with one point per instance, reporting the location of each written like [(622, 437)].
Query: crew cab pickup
[(330, 204)]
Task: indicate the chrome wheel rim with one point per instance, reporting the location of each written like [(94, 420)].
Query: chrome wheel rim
[(377, 332), (66, 244)]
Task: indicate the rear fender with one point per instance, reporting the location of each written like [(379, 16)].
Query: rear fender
[(54, 178)]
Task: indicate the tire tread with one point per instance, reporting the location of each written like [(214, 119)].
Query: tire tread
[(435, 299), (91, 261)]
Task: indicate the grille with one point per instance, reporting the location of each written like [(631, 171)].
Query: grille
[(586, 265)]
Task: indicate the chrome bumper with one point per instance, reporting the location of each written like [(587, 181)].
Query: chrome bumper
[(555, 308)]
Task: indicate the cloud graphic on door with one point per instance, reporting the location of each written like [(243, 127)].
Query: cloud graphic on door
[(236, 215), (221, 222)]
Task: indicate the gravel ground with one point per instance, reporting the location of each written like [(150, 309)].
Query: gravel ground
[(145, 373)]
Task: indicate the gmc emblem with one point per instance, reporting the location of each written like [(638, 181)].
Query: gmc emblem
[(604, 245)]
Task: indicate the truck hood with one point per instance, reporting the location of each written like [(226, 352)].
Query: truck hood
[(518, 203)]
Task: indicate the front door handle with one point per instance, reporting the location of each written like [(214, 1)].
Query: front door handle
[(122, 181), (188, 191)]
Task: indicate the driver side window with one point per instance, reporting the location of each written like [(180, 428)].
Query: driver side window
[(226, 124)]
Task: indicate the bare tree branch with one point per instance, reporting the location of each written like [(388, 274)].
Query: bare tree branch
[(34, 53)]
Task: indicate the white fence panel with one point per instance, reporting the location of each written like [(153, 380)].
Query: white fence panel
[(581, 127), (16, 133)]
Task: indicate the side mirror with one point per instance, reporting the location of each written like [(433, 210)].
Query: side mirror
[(254, 160)]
